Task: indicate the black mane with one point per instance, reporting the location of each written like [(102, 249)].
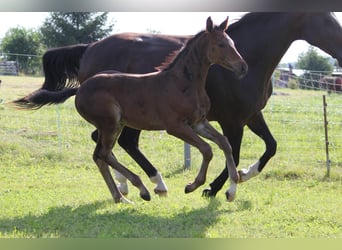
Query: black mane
[(253, 17)]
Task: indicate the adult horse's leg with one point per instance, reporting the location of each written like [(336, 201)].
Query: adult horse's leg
[(129, 141), (258, 125), (207, 131), (234, 136)]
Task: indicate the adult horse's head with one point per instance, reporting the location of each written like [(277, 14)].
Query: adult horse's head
[(324, 31), (222, 49)]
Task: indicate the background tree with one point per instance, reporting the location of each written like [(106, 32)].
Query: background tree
[(23, 46), (66, 28), (312, 61)]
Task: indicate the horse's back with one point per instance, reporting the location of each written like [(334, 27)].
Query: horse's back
[(128, 52)]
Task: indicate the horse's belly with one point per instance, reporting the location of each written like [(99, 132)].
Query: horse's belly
[(143, 121)]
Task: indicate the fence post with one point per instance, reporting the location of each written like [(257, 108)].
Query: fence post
[(187, 155), (326, 135), (59, 134)]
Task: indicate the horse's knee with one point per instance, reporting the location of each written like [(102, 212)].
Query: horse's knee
[(95, 135), (272, 148)]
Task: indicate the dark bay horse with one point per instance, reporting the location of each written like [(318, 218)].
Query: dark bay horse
[(173, 99), (261, 38)]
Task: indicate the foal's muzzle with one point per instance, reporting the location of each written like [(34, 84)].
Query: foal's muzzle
[(241, 70)]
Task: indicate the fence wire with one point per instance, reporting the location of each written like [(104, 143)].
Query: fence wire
[(295, 118)]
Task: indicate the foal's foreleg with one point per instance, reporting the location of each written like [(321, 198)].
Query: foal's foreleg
[(207, 131), (186, 133)]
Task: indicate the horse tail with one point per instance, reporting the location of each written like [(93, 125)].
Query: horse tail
[(60, 67), (42, 97)]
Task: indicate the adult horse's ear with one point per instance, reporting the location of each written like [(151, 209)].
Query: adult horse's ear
[(210, 25), (224, 25)]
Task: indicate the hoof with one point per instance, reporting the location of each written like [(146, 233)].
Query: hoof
[(189, 188), (160, 193), (123, 200), (230, 197), (123, 188), (146, 196), (208, 193)]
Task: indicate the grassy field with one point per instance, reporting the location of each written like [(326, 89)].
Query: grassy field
[(50, 187)]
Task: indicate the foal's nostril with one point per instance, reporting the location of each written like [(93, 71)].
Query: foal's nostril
[(244, 68)]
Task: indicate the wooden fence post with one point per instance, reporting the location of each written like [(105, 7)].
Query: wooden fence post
[(326, 135)]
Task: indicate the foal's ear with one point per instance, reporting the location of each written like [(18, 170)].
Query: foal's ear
[(224, 25), (210, 25)]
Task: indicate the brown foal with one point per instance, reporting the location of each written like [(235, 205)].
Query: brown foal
[(173, 99)]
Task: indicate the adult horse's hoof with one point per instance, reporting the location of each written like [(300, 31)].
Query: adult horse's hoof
[(123, 188), (160, 193), (123, 199), (230, 197), (208, 193)]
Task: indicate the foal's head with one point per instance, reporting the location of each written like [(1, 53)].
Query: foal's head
[(222, 51)]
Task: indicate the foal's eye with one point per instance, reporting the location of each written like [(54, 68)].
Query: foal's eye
[(221, 45)]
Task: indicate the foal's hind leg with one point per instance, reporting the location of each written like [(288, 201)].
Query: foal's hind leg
[(104, 169), (122, 186), (107, 138)]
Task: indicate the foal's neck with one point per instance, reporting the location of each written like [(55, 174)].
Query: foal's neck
[(193, 63)]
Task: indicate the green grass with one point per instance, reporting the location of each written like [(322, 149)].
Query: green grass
[(50, 187)]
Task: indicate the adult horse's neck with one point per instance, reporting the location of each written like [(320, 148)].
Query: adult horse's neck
[(192, 63), (263, 38)]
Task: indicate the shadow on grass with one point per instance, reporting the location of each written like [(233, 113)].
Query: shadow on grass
[(102, 221)]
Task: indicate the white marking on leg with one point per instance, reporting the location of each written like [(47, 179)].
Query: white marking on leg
[(125, 200), (246, 174), (161, 187), (123, 186)]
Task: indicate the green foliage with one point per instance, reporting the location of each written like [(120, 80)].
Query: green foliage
[(27, 45), (66, 28), (312, 61), (292, 83)]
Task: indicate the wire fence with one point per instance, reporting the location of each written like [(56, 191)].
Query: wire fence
[(295, 117), (307, 121)]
